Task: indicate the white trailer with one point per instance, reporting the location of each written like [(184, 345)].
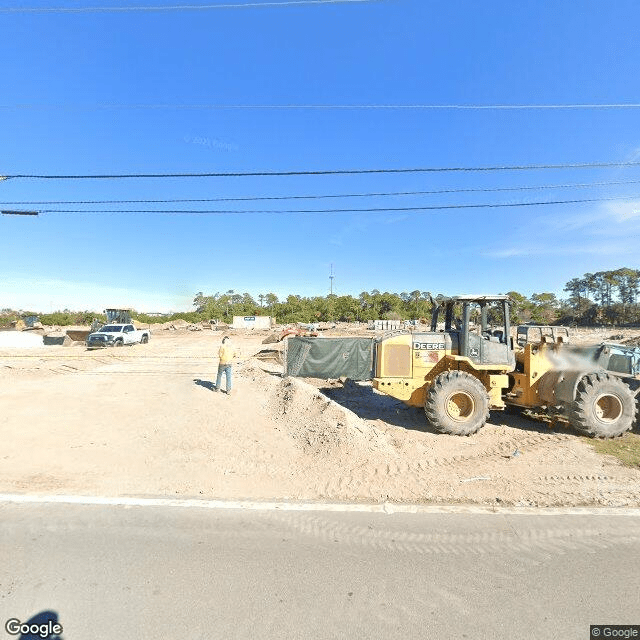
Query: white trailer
[(253, 322)]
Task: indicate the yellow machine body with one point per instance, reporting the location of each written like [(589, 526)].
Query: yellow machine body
[(444, 371), (546, 376), (530, 378), (407, 364)]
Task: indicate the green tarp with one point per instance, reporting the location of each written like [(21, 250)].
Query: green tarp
[(330, 358)]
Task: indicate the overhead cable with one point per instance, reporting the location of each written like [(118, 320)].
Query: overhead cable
[(584, 185), (362, 106), (491, 205), (247, 174), (178, 7)]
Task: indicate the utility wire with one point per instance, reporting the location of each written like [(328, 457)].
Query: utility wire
[(388, 107), (180, 7), (494, 205), (587, 185), (245, 174)]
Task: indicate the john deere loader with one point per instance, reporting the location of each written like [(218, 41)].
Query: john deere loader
[(467, 365)]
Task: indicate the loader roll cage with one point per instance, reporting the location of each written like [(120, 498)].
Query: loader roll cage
[(491, 345), (448, 304)]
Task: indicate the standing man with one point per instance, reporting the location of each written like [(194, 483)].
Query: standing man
[(225, 354)]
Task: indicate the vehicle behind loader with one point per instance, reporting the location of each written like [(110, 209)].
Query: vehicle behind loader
[(619, 360)]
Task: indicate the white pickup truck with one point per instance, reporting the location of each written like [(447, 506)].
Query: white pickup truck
[(117, 335)]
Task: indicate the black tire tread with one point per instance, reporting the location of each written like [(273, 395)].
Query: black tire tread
[(444, 384), (581, 410)]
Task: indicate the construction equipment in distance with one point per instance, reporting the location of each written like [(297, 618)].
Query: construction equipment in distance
[(467, 364), (114, 316)]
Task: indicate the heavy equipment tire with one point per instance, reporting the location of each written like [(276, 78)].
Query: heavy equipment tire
[(457, 403), (144, 339), (118, 343), (604, 407)]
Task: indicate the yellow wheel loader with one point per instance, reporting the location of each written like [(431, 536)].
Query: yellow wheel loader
[(467, 365)]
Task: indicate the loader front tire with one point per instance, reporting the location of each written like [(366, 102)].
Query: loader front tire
[(457, 403), (604, 407)]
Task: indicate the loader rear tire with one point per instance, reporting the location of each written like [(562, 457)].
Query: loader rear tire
[(457, 403), (604, 406)]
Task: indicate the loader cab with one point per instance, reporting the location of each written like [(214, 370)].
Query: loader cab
[(479, 324), (118, 316)]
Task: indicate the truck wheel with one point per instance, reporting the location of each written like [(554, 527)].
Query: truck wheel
[(457, 403), (118, 343), (604, 406), (144, 339)]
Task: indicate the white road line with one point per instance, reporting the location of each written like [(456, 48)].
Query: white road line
[(386, 507)]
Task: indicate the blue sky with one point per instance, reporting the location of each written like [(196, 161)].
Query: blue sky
[(74, 99)]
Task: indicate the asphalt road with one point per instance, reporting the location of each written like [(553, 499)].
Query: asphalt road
[(198, 574)]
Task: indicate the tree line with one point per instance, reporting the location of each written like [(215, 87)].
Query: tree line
[(604, 297)]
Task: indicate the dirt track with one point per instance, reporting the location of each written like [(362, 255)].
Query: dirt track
[(143, 420)]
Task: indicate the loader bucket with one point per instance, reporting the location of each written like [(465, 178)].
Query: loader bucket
[(78, 335)]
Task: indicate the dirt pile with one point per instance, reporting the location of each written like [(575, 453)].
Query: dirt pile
[(321, 427), (173, 325), (254, 370), (317, 425)]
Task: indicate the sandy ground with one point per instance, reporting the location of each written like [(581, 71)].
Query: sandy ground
[(143, 421)]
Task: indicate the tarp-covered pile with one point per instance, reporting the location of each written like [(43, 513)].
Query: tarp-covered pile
[(330, 358)]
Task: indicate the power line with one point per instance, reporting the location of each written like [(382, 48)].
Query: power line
[(584, 185), (386, 107), (246, 174), (494, 205), (181, 7)]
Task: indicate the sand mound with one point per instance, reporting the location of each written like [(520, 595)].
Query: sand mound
[(320, 426), (253, 369)]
